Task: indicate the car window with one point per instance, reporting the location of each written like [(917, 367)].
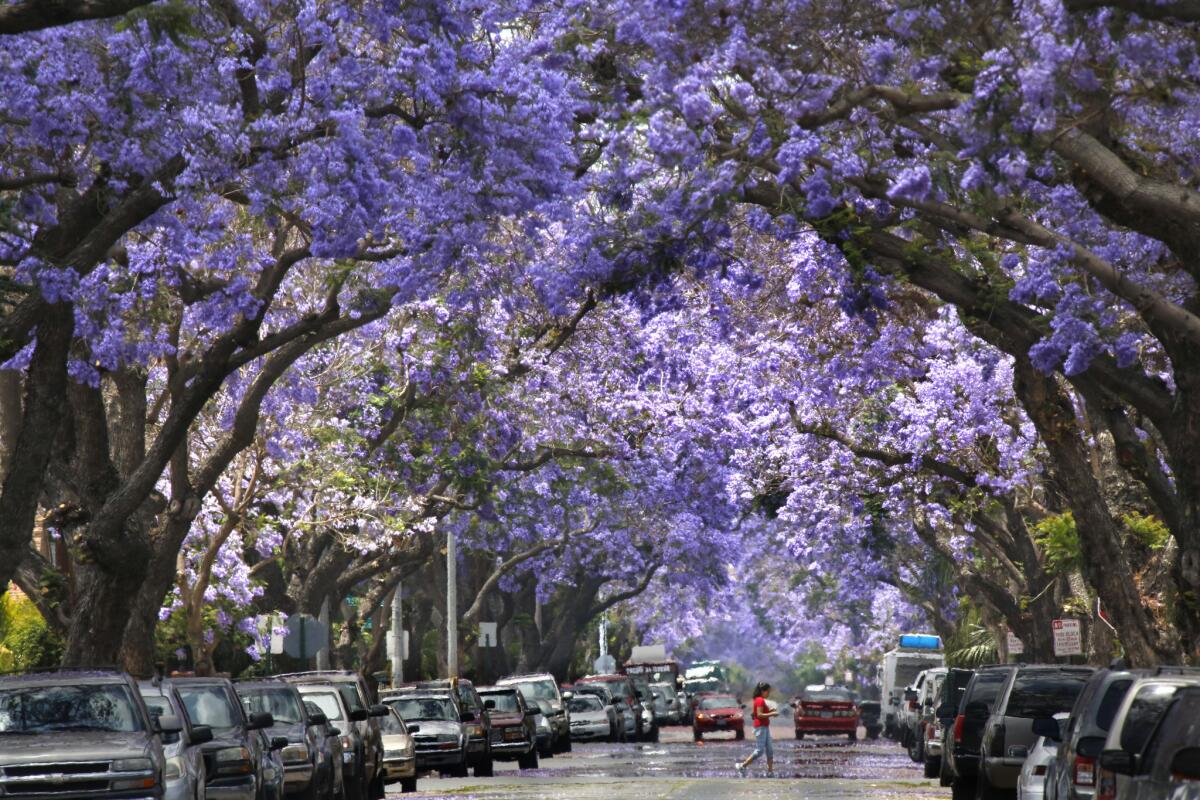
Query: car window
[(539, 690), (392, 723), (210, 705), (718, 702), (418, 708), (1043, 694), (280, 703), (466, 697), (1111, 702), (349, 693), (986, 687), (1148, 705), (581, 703), (829, 695), (328, 704), (505, 702), (68, 708)]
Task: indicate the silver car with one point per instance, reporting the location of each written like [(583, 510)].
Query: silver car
[(183, 772), (589, 718)]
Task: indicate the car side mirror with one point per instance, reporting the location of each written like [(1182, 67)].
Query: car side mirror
[(910, 694), (1185, 766), (260, 720), (379, 711), (532, 712), (489, 704), (317, 719), (335, 731), (202, 734), (1018, 751), (468, 716), (279, 742), (1048, 728), (359, 715), (168, 723), (1119, 761), (412, 727)]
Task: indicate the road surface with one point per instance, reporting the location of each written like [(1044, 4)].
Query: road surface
[(679, 769)]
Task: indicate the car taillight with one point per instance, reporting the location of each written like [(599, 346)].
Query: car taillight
[(960, 722), (912, 705), (1106, 786), (1085, 771), (1040, 769)]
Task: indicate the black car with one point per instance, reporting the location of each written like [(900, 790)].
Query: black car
[(869, 717), (80, 734), (945, 710), (961, 755), (237, 759), (362, 774), (308, 775)]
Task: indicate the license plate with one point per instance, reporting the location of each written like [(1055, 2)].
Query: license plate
[(513, 735), (722, 724), (826, 715)]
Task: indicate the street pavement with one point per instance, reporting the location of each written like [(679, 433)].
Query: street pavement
[(680, 769)]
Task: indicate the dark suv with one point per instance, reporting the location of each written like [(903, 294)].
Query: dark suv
[(960, 758), (307, 774), (362, 773), (1030, 693), (79, 734), (1075, 767)]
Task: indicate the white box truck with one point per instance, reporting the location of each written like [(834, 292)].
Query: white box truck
[(915, 653)]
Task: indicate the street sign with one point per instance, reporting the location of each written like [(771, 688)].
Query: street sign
[(848, 677), (1015, 646), (829, 680), (1068, 637), (391, 644), (605, 665), (487, 634), (306, 635)]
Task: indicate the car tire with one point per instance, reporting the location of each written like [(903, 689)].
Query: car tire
[(984, 789), (462, 770), (697, 735), (799, 735), (378, 790), (933, 768), (962, 789), (352, 789), (740, 735), (653, 737), (485, 768), (944, 776), (528, 760), (567, 745), (408, 785), (852, 736)]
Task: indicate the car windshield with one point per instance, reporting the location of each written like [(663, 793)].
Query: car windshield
[(392, 724), (539, 690), (504, 702), (830, 695), (41, 709), (987, 685), (1147, 706), (582, 703), (349, 693), (719, 701), (416, 708), (1044, 694), (327, 703), (466, 697), (282, 704), (210, 705), (157, 705)]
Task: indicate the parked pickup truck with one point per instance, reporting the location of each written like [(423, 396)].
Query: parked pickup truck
[(80, 734)]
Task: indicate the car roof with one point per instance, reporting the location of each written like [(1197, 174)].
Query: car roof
[(57, 676), (324, 674), (528, 676), (494, 689), (419, 694)]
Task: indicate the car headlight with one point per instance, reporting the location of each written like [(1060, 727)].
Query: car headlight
[(347, 744), (406, 750), (476, 730), (234, 761), (295, 752), (135, 765), (132, 765), (174, 768)]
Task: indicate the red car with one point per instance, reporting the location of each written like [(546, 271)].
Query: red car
[(826, 710), (718, 713)]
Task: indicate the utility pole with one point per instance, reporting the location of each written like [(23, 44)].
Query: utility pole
[(603, 636), (451, 605), (397, 637), (323, 618)]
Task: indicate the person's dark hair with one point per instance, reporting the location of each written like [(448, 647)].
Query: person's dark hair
[(761, 689)]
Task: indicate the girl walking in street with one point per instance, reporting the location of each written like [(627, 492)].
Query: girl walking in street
[(761, 713)]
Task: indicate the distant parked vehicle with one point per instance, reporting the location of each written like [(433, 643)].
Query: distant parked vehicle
[(1073, 774), (623, 723), (541, 688), (590, 719), (961, 758), (827, 711), (869, 717), (308, 773), (184, 771), (1169, 764), (435, 719), (929, 688), (328, 715), (623, 688), (1031, 783), (673, 710), (399, 752), (514, 735), (476, 721)]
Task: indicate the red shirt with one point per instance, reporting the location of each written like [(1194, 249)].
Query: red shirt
[(760, 703)]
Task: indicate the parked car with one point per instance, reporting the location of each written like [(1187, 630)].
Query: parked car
[(237, 760), (320, 703), (513, 732), (272, 772), (825, 710), (362, 774), (399, 752), (625, 726), (541, 688), (589, 718), (908, 717), (478, 726), (718, 713), (1169, 764), (435, 719), (929, 690), (673, 712), (1073, 774), (940, 725), (183, 771), (961, 757), (1030, 693), (1031, 782), (1136, 718), (622, 687), (308, 769), (869, 712)]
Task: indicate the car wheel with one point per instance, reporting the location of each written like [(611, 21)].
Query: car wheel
[(485, 768), (567, 744), (653, 737), (408, 785), (697, 735), (378, 790), (852, 736), (933, 768), (352, 789), (528, 760), (461, 770), (799, 734), (944, 776), (984, 789), (962, 789), (740, 735)]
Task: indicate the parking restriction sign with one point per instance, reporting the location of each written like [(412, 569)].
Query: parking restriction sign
[(1068, 637)]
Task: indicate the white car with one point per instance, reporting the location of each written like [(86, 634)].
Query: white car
[(1031, 784)]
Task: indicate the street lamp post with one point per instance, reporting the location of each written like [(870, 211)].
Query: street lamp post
[(451, 605)]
